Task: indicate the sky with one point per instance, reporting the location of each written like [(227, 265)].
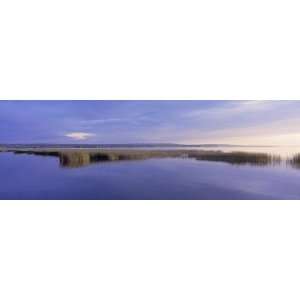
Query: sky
[(187, 122)]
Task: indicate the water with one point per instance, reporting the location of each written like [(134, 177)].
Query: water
[(42, 177)]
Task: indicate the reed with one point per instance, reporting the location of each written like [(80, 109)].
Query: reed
[(83, 157), (240, 158)]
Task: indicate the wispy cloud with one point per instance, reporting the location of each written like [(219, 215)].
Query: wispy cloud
[(80, 136), (276, 132), (147, 121), (232, 108), (133, 119), (101, 121)]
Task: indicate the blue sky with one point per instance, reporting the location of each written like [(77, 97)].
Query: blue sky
[(235, 122)]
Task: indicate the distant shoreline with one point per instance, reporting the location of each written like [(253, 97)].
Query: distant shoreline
[(129, 145)]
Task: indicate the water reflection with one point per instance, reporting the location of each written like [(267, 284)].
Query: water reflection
[(295, 161), (193, 175)]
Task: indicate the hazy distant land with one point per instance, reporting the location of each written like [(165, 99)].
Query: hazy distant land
[(128, 145)]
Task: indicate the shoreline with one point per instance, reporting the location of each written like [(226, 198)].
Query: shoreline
[(79, 157)]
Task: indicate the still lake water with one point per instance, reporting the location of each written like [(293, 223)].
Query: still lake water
[(36, 177)]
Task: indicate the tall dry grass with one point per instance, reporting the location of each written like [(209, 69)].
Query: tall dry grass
[(83, 157)]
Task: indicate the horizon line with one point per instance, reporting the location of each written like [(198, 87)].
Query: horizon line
[(150, 143)]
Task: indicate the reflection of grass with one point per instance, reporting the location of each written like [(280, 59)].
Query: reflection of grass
[(37, 152), (82, 157), (295, 161)]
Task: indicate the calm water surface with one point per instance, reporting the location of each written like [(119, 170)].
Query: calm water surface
[(35, 177)]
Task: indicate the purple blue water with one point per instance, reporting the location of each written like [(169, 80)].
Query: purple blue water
[(36, 177)]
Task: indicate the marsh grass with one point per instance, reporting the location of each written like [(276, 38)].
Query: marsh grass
[(82, 157), (240, 158)]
